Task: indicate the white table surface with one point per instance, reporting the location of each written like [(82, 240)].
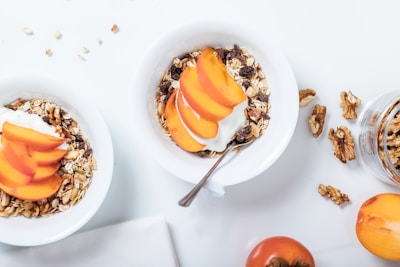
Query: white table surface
[(331, 46)]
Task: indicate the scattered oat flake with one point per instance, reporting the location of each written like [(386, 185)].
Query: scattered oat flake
[(81, 57), (48, 52), (85, 49), (114, 28), (27, 30), (57, 34), (99, 40)]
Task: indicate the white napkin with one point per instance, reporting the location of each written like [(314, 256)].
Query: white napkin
[(142, 242)]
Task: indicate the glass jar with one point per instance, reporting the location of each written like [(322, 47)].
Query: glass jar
[(379, 138)]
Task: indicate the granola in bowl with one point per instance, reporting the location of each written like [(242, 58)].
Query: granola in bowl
[(85, 169), (76, 169), (282, 103), (246, 71)]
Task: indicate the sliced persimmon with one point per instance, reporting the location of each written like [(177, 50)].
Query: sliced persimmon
[(45, 172), (196, 96), (198, 125), (37, 140), (11, 176), (177, 130), (17, 155), (48, 157), (216, 80), (34, 191)]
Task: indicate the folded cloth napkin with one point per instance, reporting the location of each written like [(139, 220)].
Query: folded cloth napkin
[(144, 242)]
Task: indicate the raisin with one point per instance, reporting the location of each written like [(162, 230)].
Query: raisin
[(79, 138), (246, 84), (246, 71), (175, 73), (262, 97), (46, 119), (164, 87), (265, 116), (87, 152), (222, 53)]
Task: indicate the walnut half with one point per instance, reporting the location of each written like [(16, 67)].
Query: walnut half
[(349, 104), (333, 194), (306, 96), (343, 143), (317, 120)]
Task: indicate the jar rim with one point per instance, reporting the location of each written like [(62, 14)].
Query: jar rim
[(383, 141)]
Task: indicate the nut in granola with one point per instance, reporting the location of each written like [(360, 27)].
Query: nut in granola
[(343, 143)]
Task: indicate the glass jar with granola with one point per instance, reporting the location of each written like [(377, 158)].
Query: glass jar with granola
[(379, 139)]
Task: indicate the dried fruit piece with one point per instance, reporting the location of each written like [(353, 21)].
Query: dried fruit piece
[(343, 143), (349, 104), (317, 120), (333, 194), (306, 96)]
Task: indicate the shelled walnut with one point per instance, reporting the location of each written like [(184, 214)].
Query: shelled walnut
[(306, 96), (333, 194), (317, 120), (349, 104), (343, 143)]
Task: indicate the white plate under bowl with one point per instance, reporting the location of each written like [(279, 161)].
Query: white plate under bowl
[(22, 231), (253, 159)]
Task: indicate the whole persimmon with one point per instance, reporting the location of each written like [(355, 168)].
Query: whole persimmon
[(280, 251), (378, 225)]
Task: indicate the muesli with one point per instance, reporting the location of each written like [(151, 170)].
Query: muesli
[(245, 70), (76, 167)]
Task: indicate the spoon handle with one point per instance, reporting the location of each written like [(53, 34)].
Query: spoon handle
[(187, 200)]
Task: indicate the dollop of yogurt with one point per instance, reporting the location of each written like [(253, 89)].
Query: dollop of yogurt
[(226, 129), (27, 120)]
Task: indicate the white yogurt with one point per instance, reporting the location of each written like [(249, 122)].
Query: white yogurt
[(26, 120), (226, 128)]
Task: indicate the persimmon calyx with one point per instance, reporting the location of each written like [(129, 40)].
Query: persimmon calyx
[(280, 262)]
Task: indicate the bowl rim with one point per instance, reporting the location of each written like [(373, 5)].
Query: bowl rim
[(18, 230), (185, 35)]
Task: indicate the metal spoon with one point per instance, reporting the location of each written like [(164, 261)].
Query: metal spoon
[(187, 200)]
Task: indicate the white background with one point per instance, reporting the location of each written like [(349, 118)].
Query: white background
[(331, 45)]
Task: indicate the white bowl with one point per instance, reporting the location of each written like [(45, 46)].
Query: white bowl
[(23, 231), (255, 158)]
